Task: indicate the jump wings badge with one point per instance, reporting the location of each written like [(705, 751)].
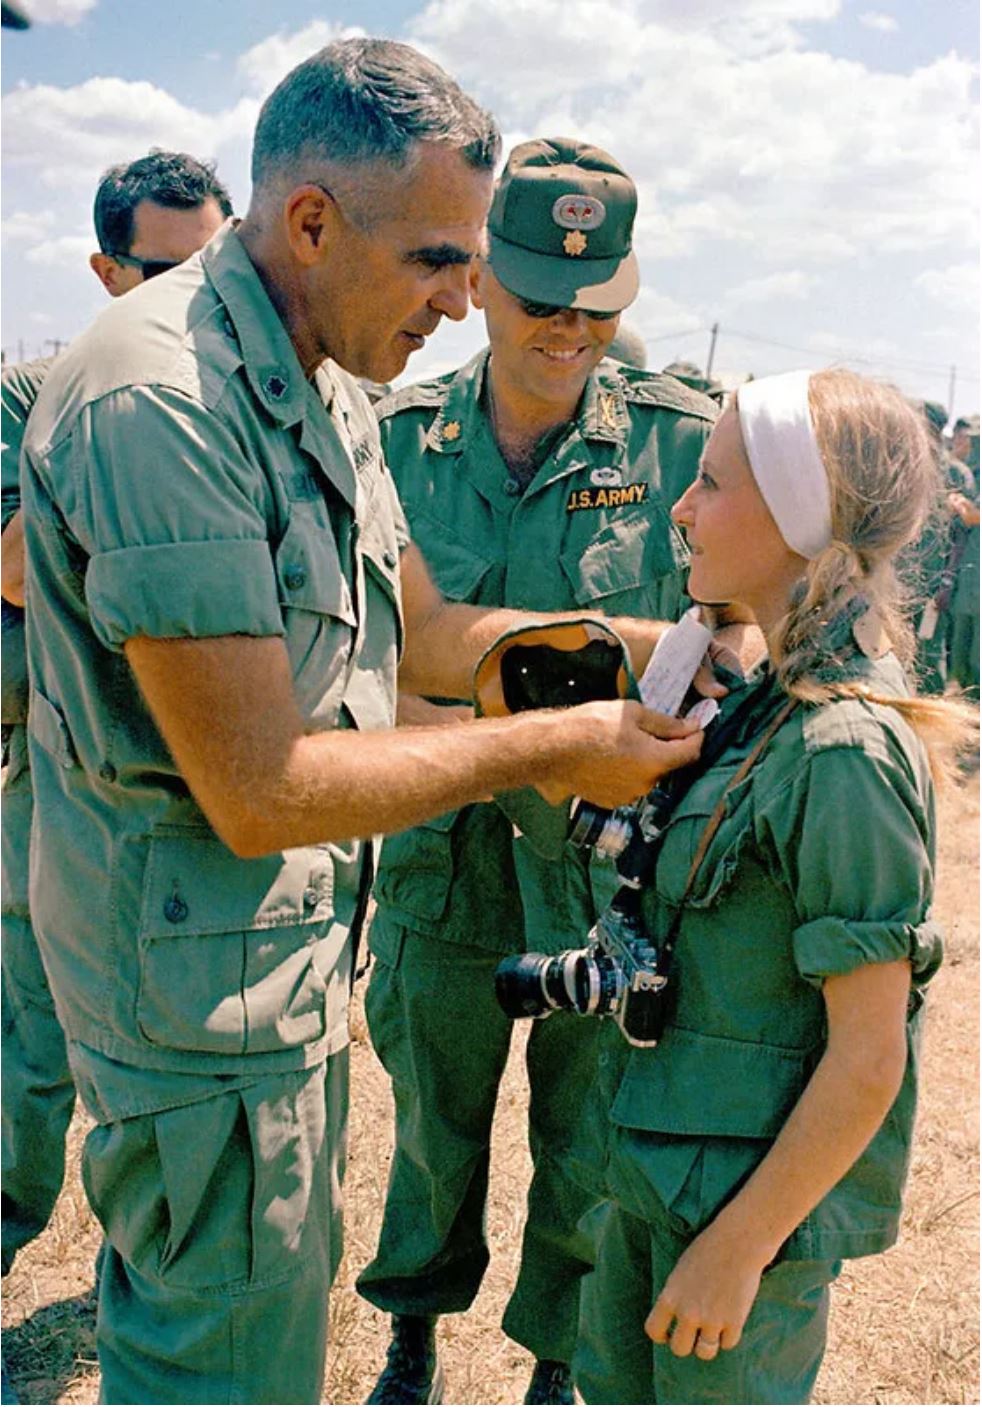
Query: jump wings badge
[(577, 213)]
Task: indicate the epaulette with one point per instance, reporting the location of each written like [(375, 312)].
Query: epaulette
[(419, 396), (654, 388)]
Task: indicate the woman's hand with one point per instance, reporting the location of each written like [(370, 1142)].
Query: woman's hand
[(705, 1301)]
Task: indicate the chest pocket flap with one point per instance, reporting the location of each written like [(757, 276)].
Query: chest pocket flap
[(684, 833), (627, 554), (308, 568), (458, 568)]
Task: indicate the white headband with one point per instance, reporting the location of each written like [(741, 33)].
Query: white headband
[(780, 442)]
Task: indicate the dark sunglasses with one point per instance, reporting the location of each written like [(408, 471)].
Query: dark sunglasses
[(549, 310), (149, 268)]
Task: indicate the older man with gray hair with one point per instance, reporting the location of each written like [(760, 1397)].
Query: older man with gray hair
[(216, 615)]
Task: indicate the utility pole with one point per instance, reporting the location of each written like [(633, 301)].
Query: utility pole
[(55, 342), (952, 378), (714, 332)]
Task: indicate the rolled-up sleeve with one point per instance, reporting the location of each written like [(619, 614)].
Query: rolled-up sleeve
[(855, 839), (173, 515)]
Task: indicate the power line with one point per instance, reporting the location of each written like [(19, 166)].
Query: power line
[(965, 373), (845, 354)]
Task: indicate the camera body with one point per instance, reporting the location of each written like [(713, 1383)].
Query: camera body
[(615, 975)]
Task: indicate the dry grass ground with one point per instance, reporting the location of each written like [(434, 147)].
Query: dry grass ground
[(905, 1326)]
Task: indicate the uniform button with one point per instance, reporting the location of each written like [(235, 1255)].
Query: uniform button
[(107, 772), (390, 559), (294, 578), (311, 896), (512, 487), (603, 1060), (175, 909)]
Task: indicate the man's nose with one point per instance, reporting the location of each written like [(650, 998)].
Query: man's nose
[(452, 299)]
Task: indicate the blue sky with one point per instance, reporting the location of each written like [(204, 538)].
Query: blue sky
[(807, 169)]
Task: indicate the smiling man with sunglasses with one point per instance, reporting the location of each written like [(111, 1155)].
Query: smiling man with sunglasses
[(538, 476)]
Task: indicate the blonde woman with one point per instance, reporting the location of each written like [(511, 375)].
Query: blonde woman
[(767, 1136)]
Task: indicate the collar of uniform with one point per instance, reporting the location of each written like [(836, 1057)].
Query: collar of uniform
[(603, 411), (459, 417), (270, 360)]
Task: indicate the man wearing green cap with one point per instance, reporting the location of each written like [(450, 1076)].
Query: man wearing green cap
[(538, 476)]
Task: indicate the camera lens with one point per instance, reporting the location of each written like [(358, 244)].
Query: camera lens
[(530, 984), (597, 984), (606, 831)]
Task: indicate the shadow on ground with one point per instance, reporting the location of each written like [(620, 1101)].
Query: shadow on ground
[(46, 1352)]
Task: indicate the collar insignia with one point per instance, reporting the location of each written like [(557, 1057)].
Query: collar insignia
[(451, 431)]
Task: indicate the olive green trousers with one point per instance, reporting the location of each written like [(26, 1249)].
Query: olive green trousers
[(38, 1090), (443, 1040), (223, 1230)]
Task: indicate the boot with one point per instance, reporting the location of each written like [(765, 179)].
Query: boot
[(551, 1381), (412, 1372)]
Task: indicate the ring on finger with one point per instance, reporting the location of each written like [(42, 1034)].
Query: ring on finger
[(706, 1345)]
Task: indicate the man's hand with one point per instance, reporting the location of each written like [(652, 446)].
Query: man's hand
[(617, 752), (963, 508)]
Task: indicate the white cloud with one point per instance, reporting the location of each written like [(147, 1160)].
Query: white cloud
[(955, 287), (60, 11), (25, 226), (789, 284), (70, 135), (872, 350), (875, 19), (270, 60), (779, 148), (67, 251)]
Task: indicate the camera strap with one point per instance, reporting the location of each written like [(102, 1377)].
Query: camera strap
[(713, 825)]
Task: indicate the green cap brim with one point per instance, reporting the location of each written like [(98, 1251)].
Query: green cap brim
[(594, 285)]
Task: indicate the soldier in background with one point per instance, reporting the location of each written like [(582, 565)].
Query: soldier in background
[(628, 347), (929, 567), (150, 215), (691, 375), (963, 639), (537, 476)]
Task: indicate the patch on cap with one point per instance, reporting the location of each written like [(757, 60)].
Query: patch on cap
[(575, 242), (579, 212)]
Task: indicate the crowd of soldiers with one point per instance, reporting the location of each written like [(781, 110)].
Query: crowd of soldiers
[(219, 584)]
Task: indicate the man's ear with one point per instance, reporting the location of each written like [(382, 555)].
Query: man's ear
[(311, 217), (106, 270), (477, 277)]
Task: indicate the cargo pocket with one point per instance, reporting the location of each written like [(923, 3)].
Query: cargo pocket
[(628, 566), (416, 872), (233, 953)]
